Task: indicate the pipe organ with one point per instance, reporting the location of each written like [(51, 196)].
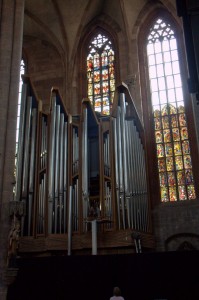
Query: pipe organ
[(75, 169)]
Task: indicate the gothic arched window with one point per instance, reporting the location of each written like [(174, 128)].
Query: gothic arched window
[(169, 118), (101, 73)]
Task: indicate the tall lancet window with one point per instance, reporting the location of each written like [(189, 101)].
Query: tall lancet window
[(170, 124), (101, 73)]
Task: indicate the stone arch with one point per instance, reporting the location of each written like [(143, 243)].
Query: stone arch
[(182, 242)]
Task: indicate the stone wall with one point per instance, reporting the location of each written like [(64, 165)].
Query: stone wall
[(175, 223)]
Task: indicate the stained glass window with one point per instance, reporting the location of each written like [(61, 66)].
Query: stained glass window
[(101, 73), (170, 125)]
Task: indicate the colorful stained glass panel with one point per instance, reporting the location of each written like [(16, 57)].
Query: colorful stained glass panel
[(172, 194), (177, 148), (176, 134), (161, 165), (187, 162), (171, 178), (182, 120), (90, 89), (165, 122), (112, 85), (97, 88), (157, 123), (184, 133), (174, 121), (163, 179), (167, 136), (105, 87), (105, 74), (164, 194), (185, 147), (164, 110), (191, 192), (180, 107), (180, 177), (178, 163), (189, 176), (182, 192), (96, 76), (168, 149), (172, 109), (160, 150), (156, 112), (158, 136), (169, 163)]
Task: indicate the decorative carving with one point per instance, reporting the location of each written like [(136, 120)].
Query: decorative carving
[(13, 242), (16, 211)]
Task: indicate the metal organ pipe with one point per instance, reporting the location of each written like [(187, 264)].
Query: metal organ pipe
[(65, 157), (70, 221), (26, 147), (26, 157), (130, 171), (42, 179), (51, 167), (32, 167), (20, 152), (85, 167), (61, 173), (116, 169), (58, 166)]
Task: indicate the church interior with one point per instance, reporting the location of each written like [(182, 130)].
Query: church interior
[(99, 149)]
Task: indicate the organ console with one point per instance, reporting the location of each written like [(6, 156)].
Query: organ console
[(73, 170)]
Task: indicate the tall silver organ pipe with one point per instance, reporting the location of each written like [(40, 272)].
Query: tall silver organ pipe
[(41, 202), (108, 207), (75, 205), (75, 180), (57, 167), (26, 156), (26, 147), (108, 203), (75, 150), (20, 150), (32, 168), (85, 195), (65, 180), (130, 170), (51, 170), (106, 152)]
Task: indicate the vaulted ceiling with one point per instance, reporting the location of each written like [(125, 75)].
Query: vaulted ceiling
[(60, 22)]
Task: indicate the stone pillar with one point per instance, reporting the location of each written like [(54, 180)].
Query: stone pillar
[(11, 32)]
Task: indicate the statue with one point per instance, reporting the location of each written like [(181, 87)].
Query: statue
[(13, 242)]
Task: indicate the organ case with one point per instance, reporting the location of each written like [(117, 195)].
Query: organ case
[(95, 163)]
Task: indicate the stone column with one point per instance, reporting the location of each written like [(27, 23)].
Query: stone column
[(11, 32)]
